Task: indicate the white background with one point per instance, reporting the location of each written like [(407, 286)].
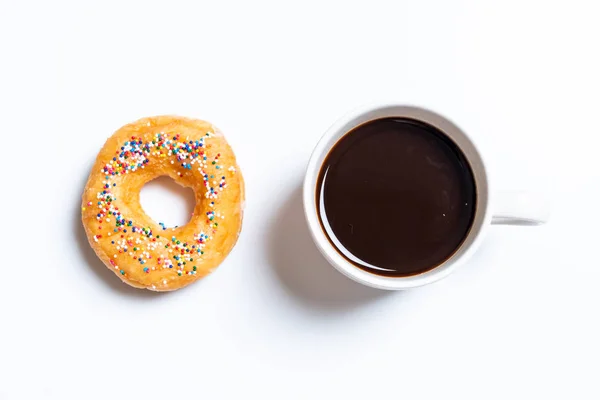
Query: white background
[(520, 320)]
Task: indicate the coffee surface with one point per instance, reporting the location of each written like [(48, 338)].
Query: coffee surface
[(396, 197)]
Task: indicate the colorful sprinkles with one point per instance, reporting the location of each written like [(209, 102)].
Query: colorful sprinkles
[(129, 239)]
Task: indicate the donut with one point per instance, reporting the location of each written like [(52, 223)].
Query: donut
[(147, 254)]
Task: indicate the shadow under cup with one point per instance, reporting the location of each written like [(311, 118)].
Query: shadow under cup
[(402, 235)]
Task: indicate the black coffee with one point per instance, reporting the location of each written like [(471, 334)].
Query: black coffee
[(396, 197)]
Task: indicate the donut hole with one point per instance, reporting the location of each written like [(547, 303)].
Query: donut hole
[(167, 202)]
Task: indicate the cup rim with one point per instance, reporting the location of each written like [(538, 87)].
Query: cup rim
[(375, 111)]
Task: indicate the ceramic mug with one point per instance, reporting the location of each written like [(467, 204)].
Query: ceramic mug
[(516, 208)]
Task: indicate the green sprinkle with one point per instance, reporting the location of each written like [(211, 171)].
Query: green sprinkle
[(122, 272)]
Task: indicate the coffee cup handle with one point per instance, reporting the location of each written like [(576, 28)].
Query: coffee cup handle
[(519, 208)]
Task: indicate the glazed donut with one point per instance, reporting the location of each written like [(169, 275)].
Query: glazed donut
[(140, 251)]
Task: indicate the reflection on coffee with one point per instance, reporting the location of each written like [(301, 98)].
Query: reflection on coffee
[(396, 197)]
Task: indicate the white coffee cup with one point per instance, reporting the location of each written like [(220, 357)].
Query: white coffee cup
[(516, 208)]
